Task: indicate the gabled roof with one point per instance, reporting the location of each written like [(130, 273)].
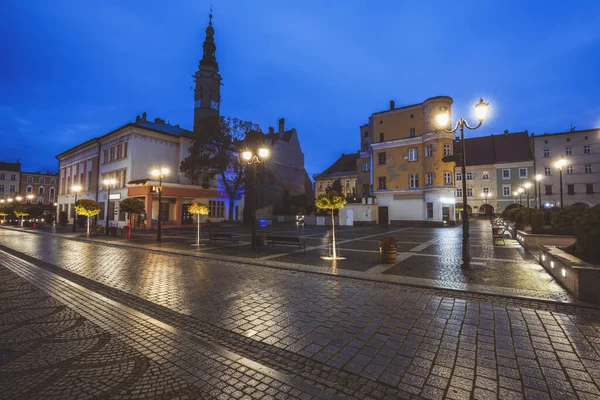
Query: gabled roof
[(285, 136), (495, 149), (345, 165), (164, 128), (6, 166)]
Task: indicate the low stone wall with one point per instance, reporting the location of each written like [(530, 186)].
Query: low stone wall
[(579, 277), (532, 241)]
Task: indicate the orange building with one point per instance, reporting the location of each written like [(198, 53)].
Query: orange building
[(404, 148)]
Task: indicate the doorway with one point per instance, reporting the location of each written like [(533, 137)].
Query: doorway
[(383, 216)]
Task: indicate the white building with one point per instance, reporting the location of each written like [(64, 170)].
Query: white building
[(581, 174)]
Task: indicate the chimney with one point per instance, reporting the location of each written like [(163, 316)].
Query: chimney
[(281, 125), (271, 129), (143, 116), (137, 119), (506, 132), (392, 105), (159, 121)]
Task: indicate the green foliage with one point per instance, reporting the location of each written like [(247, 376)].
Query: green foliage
[(510, 214), (568, 216), (388, 242), (587, 231), (132, 205), (35, 211), (537, 222), (63, 218), (330, 200), (87, 208), (336, 186)]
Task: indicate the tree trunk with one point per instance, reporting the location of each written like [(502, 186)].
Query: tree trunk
[(198, 235), (88, 227), (333, 233), (231, 202)]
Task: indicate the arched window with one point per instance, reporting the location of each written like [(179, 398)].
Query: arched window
[(53, 181), (30, 179), (29, 189), (41, 190), (42, 181), (52, 194), (40, 200)]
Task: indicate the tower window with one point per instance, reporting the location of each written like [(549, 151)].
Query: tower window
[(381, 137)]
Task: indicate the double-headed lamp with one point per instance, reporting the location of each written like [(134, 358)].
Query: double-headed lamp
[(527, 185), (442, 118), (29, 196), (538, 177), (109, 181), (76, 188), (247, 155), (263, 152)]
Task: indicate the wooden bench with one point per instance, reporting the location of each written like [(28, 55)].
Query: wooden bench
[(498, 233), (299, 241), (228, 237)]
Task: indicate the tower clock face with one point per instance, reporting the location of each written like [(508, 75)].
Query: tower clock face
[(214, 105), (196, 103)]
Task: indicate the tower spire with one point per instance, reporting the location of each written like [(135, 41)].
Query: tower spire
[(209, 58)]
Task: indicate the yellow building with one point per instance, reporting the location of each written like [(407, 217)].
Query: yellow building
[(344, 169), (404, 148)]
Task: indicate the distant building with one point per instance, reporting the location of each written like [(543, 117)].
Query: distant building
[(344, 169), (42, 186), (497, 166), (10, 178), (581, 175)]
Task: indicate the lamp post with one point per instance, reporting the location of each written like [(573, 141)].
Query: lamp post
[(516, 194), (19, 198), (538, 193), (76, 189), (520, 191), (485, 196), (442, 120), (250, 157), (560, 164), (527, 186), (110, 183), (159, 173)]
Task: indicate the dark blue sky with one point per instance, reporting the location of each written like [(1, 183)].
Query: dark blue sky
[(72, 70)]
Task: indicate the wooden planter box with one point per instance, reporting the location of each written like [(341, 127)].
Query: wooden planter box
[(388, 256)]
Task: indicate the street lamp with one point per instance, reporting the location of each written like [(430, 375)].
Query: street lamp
[(442, 120), (76, 189), (109, 183), (527, 186), (560, 164), (160, 174), (253, 158), (520, 191), (538, 179), (516, 194)]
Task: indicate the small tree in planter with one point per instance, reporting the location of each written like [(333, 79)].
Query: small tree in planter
[(331, 201), (198, 209), (21, 211), (87, 208), (131, 206)]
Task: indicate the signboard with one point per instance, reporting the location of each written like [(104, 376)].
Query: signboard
[(115, 196)]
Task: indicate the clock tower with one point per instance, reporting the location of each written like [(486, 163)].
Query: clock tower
[(207, 93)]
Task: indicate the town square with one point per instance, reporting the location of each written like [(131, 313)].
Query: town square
[(340, 202)]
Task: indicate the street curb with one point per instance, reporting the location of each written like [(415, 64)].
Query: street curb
[(302, 268)]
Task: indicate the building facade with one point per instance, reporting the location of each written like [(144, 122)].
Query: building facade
[(581, 174), (10, 179), (43, 187), (497, 166), (344, 169), (405, 149)]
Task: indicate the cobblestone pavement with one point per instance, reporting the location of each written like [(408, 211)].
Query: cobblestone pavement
[(429, 257), (356, 338)]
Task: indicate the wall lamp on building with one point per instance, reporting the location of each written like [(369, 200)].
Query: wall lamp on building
[(254, 157), (160, 173), (538, 179), (75, 189), (443, 118), (560, 164), (109, 183)]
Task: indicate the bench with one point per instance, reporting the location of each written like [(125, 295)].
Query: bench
[(293, 240), (498, 233), (215, 236)]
